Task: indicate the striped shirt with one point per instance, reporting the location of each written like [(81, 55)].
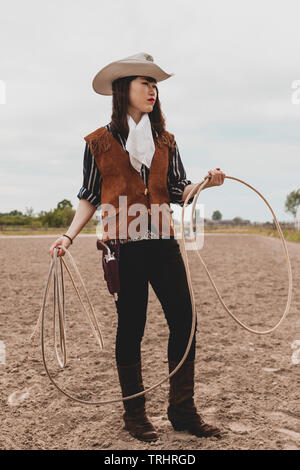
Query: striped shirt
[(92, 179)]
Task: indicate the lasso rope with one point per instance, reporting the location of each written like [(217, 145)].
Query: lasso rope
[(59, 302), (289, 299)]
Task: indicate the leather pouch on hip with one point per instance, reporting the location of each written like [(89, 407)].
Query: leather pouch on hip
[(110, 264)]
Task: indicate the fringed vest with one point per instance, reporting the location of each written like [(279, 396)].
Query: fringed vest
[(126, 200)]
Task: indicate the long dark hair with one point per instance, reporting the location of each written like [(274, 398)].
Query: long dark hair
[(120, 104)]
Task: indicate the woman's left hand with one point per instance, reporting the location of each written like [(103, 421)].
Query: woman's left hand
[(217, 177)]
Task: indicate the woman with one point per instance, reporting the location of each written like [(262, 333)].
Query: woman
[(135, 157)]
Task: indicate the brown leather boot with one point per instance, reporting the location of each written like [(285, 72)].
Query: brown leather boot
[(181, 410), (135, 418)]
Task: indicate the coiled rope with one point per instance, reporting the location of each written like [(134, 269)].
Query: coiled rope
[(59, 302)]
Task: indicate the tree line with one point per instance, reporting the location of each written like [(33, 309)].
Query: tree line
[(61, 216)]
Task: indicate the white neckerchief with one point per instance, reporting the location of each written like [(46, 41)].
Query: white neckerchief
[(139, 143)]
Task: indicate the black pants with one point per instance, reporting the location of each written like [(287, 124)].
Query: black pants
[(159, 262)]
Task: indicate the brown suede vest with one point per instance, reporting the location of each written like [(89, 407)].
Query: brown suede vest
[(119, 178)]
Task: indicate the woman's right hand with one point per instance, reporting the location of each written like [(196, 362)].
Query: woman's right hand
[(63, 241)]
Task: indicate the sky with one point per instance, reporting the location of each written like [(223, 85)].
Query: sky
[(230, 104)]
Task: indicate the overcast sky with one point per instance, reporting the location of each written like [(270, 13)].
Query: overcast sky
[(229, 103)]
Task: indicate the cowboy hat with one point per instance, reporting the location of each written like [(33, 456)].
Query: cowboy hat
[(140, 64)]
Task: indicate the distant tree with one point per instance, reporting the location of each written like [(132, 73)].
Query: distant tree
[(29, 212), (292, 202), (15, 212), (62, 216), (42, 213), (64, 203), (217, 215), (237, 220)]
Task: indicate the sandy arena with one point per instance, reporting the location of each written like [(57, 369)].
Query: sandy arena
[(246, 384)]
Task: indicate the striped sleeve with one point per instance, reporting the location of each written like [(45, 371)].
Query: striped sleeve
[(92, 180), (177, 180)]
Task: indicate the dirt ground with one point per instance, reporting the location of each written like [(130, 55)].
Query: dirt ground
[(246, 384)]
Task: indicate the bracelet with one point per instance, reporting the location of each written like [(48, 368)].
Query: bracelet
[(64, 235)]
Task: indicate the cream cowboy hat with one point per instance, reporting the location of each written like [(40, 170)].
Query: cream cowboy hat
[(140, 64)]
